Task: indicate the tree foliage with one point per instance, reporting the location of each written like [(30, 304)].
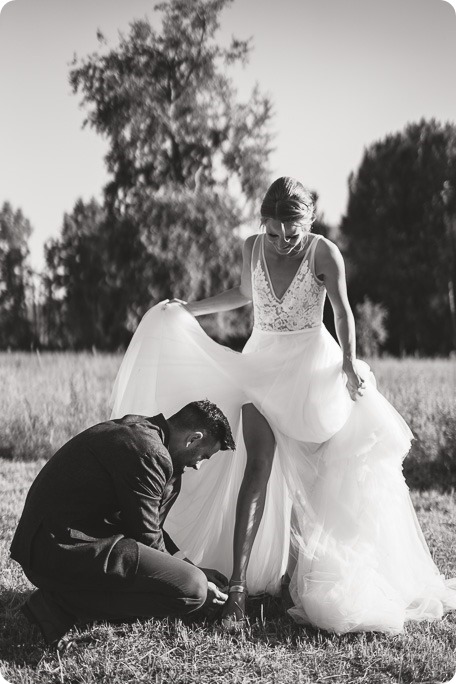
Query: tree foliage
[(188, 163), (320, 227), (15, 327), (77, 295), (371, 331), (396, 238)]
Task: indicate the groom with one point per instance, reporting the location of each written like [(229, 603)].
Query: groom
[(91, 533)]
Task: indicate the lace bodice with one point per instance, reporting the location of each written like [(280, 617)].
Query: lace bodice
[(302, 303)]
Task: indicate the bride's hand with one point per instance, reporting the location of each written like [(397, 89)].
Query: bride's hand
[(175, 301), (184, 305), (355, 383)]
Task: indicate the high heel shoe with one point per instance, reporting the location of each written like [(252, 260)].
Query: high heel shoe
[(232, 623)]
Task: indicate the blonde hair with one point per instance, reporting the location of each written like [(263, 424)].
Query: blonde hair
[(288, 200)]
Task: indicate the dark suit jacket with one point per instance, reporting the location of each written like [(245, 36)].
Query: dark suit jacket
[(105, 490)]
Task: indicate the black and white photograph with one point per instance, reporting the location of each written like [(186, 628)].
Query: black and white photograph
[(227, 342)]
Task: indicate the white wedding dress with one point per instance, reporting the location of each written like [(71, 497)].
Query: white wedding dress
[(336, 489)]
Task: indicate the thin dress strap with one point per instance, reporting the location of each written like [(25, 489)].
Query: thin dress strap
[(255, 248), (311, 256)]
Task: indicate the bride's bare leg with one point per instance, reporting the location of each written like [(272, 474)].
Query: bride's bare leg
[(260, 444)]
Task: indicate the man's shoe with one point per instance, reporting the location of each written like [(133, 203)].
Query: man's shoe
[(41, 610)]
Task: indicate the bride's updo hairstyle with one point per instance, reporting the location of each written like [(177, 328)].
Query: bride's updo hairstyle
[(288, 200)]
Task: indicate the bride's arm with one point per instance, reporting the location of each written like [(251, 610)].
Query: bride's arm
[(229, 299), (329, 264)]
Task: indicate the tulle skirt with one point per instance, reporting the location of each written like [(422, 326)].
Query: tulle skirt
[(336, 495)]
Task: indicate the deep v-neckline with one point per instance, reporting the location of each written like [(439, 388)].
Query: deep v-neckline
[(268, 275)]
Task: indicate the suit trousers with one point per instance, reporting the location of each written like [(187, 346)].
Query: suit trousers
[(163, 586)]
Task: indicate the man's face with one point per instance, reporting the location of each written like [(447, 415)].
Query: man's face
[(196, 449)]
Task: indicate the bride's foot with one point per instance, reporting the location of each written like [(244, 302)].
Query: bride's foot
[(233, 615)]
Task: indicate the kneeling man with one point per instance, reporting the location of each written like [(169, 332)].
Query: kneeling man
[(91, 534)]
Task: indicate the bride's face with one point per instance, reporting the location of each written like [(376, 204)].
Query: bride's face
[(283, 236)]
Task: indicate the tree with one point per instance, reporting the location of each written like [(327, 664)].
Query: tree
[(395, 238), (188, 162), (449, 203), (320, 227), (371, 332), (15, 231), (76, 299)]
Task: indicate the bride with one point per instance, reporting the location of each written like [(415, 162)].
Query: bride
[(313, 497)]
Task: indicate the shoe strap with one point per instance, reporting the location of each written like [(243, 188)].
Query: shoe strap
[(238, 588)]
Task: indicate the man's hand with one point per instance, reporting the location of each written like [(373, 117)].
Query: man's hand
[(215, 577), (215, 596)]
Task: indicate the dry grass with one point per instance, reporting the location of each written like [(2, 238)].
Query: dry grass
[(46, 400), (424, 393)]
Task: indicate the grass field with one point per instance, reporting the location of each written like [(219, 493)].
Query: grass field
[(46, 399)]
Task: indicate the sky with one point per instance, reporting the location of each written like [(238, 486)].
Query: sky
[(342, 74)]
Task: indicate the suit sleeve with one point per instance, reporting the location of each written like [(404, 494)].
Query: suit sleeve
[(139, 486), (171, 547)]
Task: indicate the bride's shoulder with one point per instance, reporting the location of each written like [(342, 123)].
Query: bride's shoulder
[(325, 246), (249, 242), (327, 252), (247, 251)]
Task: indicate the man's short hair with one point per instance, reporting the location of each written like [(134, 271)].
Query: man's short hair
[(206, 416)]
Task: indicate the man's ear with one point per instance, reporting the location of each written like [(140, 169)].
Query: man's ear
[(193, 437)]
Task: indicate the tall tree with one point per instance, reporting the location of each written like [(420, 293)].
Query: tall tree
[(396, 238), (75, 280), (320, 227), (449, 202), (15, 327), (188, 161)]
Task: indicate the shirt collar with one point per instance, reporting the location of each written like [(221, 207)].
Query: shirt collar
[(160, 421)]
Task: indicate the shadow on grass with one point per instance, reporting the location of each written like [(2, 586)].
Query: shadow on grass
[(8, 453), (20, 642), (424, 473), (22, 645), (269, 624), (26, 452)]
